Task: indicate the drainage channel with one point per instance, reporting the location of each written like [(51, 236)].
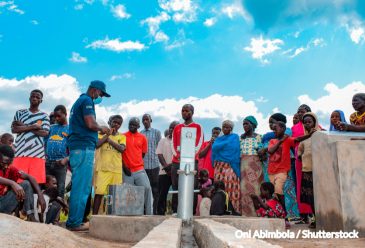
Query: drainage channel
[(187, 237)]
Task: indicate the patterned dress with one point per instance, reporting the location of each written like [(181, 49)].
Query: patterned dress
[(275, 210), (357, 120), (251, 173)]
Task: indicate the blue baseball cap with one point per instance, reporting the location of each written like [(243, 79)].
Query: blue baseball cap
[(97, 84)]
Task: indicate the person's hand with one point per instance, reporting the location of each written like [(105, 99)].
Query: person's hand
[(105, 130), (283, 138), (65, 210), (261, 152), (126, 171), (342, 126), (36, 126), (253, 196), (312, 131), (17, 123), (19, 191), (63, 162), (42, 203)]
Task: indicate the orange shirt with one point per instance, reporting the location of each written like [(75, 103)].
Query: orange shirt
[(136, 145), (279, 161)]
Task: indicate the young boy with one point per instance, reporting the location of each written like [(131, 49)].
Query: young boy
[(109, 160), (56, 148), (280, 161), (7, 139), (12, 193)]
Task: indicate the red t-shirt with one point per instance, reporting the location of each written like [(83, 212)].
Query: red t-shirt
[(10, 173), (136, 145), (206, 162), (279, 161), (176, 140)]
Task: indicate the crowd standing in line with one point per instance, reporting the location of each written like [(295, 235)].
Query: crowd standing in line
[(268, 175)]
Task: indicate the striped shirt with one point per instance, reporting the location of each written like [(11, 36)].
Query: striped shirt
[(153, 137), (28, 144)]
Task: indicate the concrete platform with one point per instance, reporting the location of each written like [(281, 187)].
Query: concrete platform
[(212, 234), (252, 223), (167, 235), (129, 229)]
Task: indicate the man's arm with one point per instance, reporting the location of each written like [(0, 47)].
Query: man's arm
[(19, 127), (41, 133), (205, 150), (91, 123), (351, 128), (119, 147), (36, 189), (162, 160), (102, 141)]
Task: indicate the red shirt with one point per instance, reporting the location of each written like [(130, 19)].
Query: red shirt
[(206, 162), (10, 173), (279, 161), (176, 140), (136, 145)]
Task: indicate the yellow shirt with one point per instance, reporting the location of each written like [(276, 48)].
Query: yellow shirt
[(108, 158)]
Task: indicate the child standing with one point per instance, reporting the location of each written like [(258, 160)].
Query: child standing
[(280, 160), (310, 123), (109, 162), (267, 205)]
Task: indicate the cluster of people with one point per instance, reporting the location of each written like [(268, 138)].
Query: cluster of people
[(266, 175)]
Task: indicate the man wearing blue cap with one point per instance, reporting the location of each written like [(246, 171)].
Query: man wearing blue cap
[(82, 140)]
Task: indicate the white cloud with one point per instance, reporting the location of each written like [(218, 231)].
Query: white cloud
[(79, 6), (180, 41), (355, 28), (317, 42), (181, 10), (357, 34), (34, 22), (126, 75), (335, 98), (262, 99), (154, 23), (116, 45), (260, 48), (120, 12), (77, 58), (63, 89), (236, 9), (210, 22), (11, 6)]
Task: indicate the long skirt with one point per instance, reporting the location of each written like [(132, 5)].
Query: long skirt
[(290, 197), (306, 192), (224, 172), (304, 208), (251, 179)]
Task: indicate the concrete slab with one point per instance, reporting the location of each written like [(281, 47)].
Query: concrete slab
[(130, 229), (212, 234), (167, 235), (252, 223)]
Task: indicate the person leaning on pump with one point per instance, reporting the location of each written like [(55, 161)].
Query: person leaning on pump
[(82, 141)]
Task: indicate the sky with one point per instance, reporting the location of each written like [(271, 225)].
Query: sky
[(230, 58)]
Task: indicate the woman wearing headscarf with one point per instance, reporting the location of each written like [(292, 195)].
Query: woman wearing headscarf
[(337, 117), (298, 130), (290, 197), (226, 163), (251, 166)]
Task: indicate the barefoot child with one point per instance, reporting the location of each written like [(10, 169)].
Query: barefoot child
[(109, 160), (266, 205)]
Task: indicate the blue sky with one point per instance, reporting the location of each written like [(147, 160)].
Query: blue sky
[(268, 52)]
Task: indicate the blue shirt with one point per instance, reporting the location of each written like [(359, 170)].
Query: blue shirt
[(56, 142), (81, 137)]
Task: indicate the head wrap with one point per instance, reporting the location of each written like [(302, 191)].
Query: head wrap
[(316, 124), (342, 119), (252, 120), (279, 117)]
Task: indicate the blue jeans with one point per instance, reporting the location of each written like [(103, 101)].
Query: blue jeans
[(81, 162)]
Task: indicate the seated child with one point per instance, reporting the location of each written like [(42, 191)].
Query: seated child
[(13, 194), (206, 202), (267, 205), (357, 119), (108, 162), (56, 203), (337, 117), (204, 180), (221, 205)]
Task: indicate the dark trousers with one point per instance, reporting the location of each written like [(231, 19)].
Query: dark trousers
[(59, 172), (153, 177), (53, 213), (164, 182), (8, 202), (175, 186)]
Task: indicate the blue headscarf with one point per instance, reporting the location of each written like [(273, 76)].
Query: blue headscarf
[(342, 119), (226, 148)]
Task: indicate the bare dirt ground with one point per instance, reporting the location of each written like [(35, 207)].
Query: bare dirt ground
[(306, 243), (15, 232)]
